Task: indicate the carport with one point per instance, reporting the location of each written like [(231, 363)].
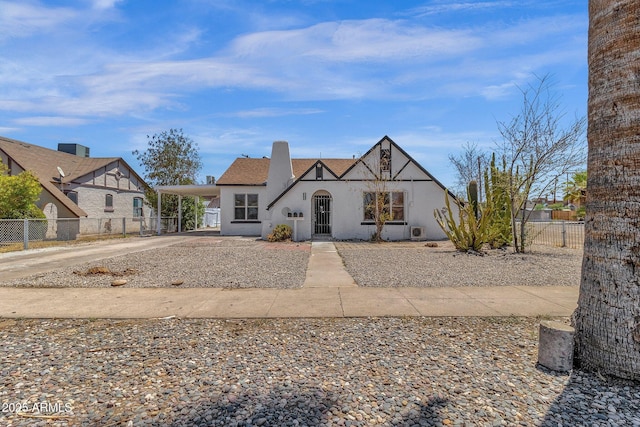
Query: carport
[(197, 191)]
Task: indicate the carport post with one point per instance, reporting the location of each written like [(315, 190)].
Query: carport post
[(25, 234), (159, 210), (197, 201), (179, 213)]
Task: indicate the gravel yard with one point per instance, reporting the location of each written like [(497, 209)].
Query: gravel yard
[(409, 371), (286, 372), (249, 263), (412, 264), (200, 262)]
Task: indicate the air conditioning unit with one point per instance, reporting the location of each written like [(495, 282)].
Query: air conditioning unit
[(417, 233)]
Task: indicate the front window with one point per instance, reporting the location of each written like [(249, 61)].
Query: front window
[(245, 207), (397, 206), (387, 203), (137, 207)]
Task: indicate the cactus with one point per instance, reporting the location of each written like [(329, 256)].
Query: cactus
[(469, 233), (479, 223), (496, 194), (472, 191)]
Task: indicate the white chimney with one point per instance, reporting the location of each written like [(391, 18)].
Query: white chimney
[(280, 170)]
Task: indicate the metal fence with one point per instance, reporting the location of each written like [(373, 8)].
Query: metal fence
[(564, 234), (16, 232)]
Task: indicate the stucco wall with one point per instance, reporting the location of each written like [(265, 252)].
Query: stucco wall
[(230, 227), (347, 210)]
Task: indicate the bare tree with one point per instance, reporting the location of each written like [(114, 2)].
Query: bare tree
[(470, 166), (379, 199), (538, 148)]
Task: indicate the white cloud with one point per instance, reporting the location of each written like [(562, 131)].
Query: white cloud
[(104, 4), (355, 59), (274, 112), (376, 40), (7, 130), (50, 121), (440, 8), (22, 19)]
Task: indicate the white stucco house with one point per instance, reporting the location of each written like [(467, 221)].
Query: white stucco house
[(329, 198)]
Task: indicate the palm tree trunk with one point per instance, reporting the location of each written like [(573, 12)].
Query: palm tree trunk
[(607, 319)]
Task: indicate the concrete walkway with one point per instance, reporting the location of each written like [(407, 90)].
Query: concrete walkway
[(326, 269), (328, 291)]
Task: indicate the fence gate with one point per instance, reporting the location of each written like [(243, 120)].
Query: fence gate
[(322, 214)]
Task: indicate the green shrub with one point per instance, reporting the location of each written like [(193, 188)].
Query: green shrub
[(280, 233)]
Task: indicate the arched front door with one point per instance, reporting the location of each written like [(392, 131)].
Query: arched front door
[(321, 213)]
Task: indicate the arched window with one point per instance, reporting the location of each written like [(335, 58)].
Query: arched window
[(108, 203)]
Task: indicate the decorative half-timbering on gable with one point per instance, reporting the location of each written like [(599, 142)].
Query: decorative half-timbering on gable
[(330, 198)]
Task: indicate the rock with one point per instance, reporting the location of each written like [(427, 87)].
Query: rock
[(177, 282), (98, 270), (119, 282)]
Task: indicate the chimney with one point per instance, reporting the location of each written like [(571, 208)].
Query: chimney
[(280, 170), (75, 149)]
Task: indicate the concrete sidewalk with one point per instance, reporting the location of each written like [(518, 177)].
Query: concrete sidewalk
[(328, 291), (303, 302)]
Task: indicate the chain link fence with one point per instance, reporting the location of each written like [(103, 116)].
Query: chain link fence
[(564, 234), (20, 233)]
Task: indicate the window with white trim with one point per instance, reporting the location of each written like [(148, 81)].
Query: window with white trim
[(245, 207), (137, 207)]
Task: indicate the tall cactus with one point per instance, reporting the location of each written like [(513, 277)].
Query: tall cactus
[(495, 190), (472, 191)]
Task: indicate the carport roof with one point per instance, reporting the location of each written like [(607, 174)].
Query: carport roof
[(204, 190)]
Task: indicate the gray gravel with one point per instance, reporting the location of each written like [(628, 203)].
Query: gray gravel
[(313, 372), (249, 263), (201, 262), (412, 264)]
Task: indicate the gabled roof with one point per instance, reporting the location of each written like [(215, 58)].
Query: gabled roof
[(44, 163), (404, 153), (248, 171)]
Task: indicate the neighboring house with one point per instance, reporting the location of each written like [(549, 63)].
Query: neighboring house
[(75, 185), (329, 198)]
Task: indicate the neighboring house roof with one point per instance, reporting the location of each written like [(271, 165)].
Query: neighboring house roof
[(43, 162), (248, 171)]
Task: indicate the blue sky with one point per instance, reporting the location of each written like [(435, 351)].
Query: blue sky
[(330, 77)]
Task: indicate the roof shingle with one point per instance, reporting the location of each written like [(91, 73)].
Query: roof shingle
[(248, 171)]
